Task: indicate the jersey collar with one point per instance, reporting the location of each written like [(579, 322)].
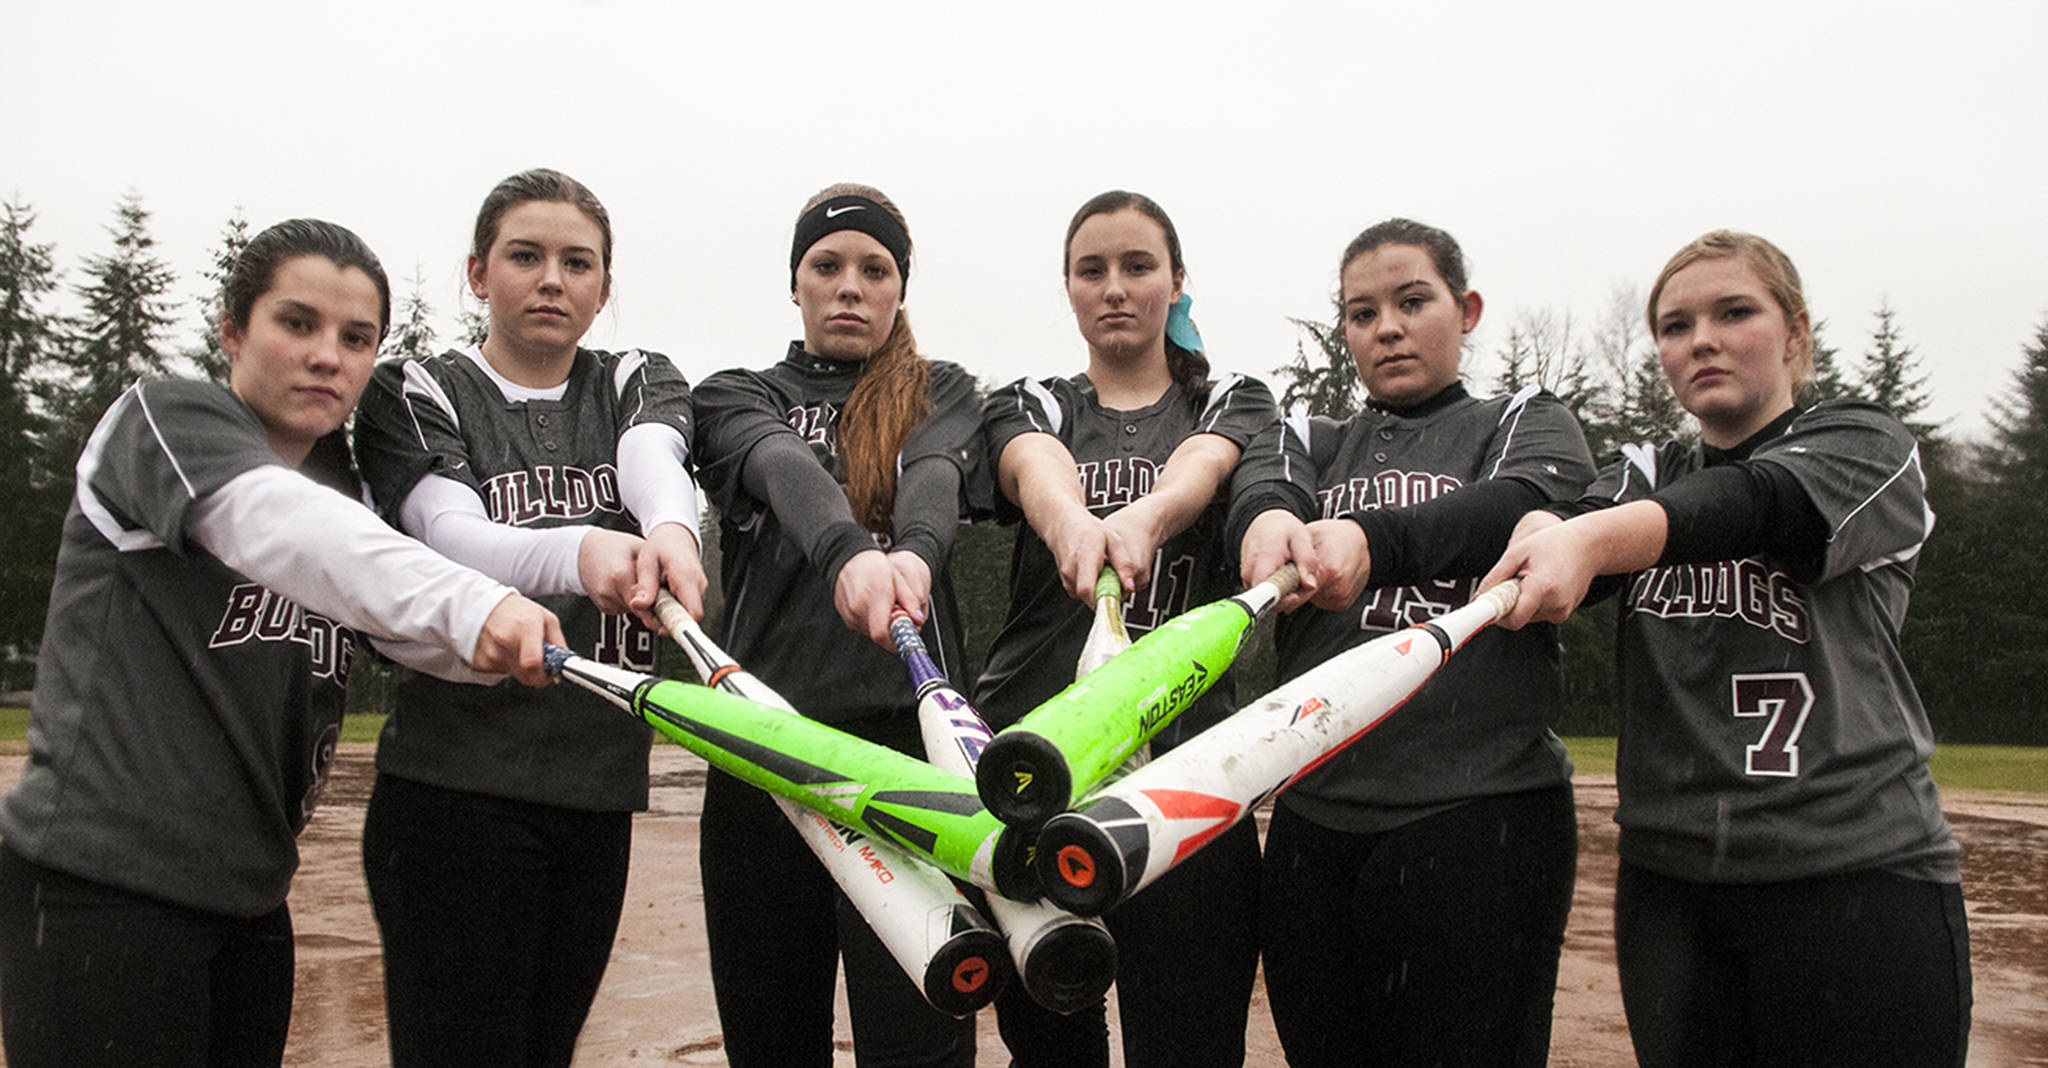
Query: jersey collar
[(1443, 398), (814, 364), (1711, 455)]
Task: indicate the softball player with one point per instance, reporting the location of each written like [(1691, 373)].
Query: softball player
[(1417, 884), (838, 476), (1127, 463), (497, 837), (1789, 890), (209, 588)]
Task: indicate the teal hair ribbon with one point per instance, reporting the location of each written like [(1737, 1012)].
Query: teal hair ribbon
[(1180, 324)]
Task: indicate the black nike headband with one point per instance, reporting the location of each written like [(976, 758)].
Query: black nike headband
[(851, 213)]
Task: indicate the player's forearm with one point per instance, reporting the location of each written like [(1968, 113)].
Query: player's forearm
[(654, 478), (1038, 473), (332, 556), (450, 518), (927, 510), (1622, 539), (1193, 477), (1453, 536), (782, 472)]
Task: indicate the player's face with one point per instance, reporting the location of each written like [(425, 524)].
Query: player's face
[(544, 278), (303, 360), (1727, 347), (1404, 328), (849, 291), (1121, 284)]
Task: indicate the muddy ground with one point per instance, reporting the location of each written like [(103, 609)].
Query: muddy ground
[(656, 1004)]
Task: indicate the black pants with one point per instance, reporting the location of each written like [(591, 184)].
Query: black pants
[(777, 927), (92, 975), (497, 917), (1187, 954), (1861, 968), (1435, 943)]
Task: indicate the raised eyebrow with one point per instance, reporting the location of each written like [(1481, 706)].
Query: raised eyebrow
[(299, 306)]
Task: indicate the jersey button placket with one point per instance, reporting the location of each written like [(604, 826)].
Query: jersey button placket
[(1130, 431)]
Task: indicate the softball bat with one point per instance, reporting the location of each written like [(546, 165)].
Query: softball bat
[(1039, 766), (1124, 838), (1066, 962), (946, 946)]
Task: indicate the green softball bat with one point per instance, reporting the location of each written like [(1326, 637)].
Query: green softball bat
[(1039, 766), (851, 781)]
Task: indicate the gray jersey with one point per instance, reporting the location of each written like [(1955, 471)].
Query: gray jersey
[(780, 619), (535, 464), (1118, 455), (1479, 727), (185, 717), (1770, 730)]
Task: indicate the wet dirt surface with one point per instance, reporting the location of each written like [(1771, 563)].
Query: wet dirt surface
[(656, 1005)]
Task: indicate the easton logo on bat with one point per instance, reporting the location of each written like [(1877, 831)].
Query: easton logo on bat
[(969, 976), (1189, 805), (1170, 705)]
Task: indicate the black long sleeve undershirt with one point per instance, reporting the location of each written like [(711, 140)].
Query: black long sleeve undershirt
[(782, 471), (927, 512), (1457, 535), (1740, 509)]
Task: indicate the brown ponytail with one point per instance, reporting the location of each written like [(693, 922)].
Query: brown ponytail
[(891, 399)]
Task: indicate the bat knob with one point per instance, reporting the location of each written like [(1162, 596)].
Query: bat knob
[(967, 973), (1083, 868), (1023, 778), (1070, 966)]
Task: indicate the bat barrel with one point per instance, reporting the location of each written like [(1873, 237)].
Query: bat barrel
[(1087, 867), (1024, 778)]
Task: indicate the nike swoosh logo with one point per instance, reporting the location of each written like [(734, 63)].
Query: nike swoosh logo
[(831, 213)]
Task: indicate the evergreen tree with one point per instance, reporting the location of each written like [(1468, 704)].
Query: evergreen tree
[(2019, 424), (1326, 382), (28, 541), (1979, 573), (210, 358), (1828, 383), (1890, 375), (120, 334), (475, 322), (413, 333)]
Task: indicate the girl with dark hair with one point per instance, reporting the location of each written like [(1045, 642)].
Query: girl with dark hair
[(1125, 464), (838, 473), (497, 838), (1418, 882), (1789, 892), (214, 571)]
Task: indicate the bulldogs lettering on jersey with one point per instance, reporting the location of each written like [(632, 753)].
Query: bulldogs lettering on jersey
[(255, 614), (552, 492), (1110, 484), (1394, 607), (816, 423), (1749, 590)]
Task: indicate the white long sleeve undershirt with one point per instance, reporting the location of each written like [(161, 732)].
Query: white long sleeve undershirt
[(654, 484), (335, 557)]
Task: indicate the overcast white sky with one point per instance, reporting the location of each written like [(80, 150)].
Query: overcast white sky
[(1896, 151)]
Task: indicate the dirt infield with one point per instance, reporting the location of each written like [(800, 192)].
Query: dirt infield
[(656, 1004)]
